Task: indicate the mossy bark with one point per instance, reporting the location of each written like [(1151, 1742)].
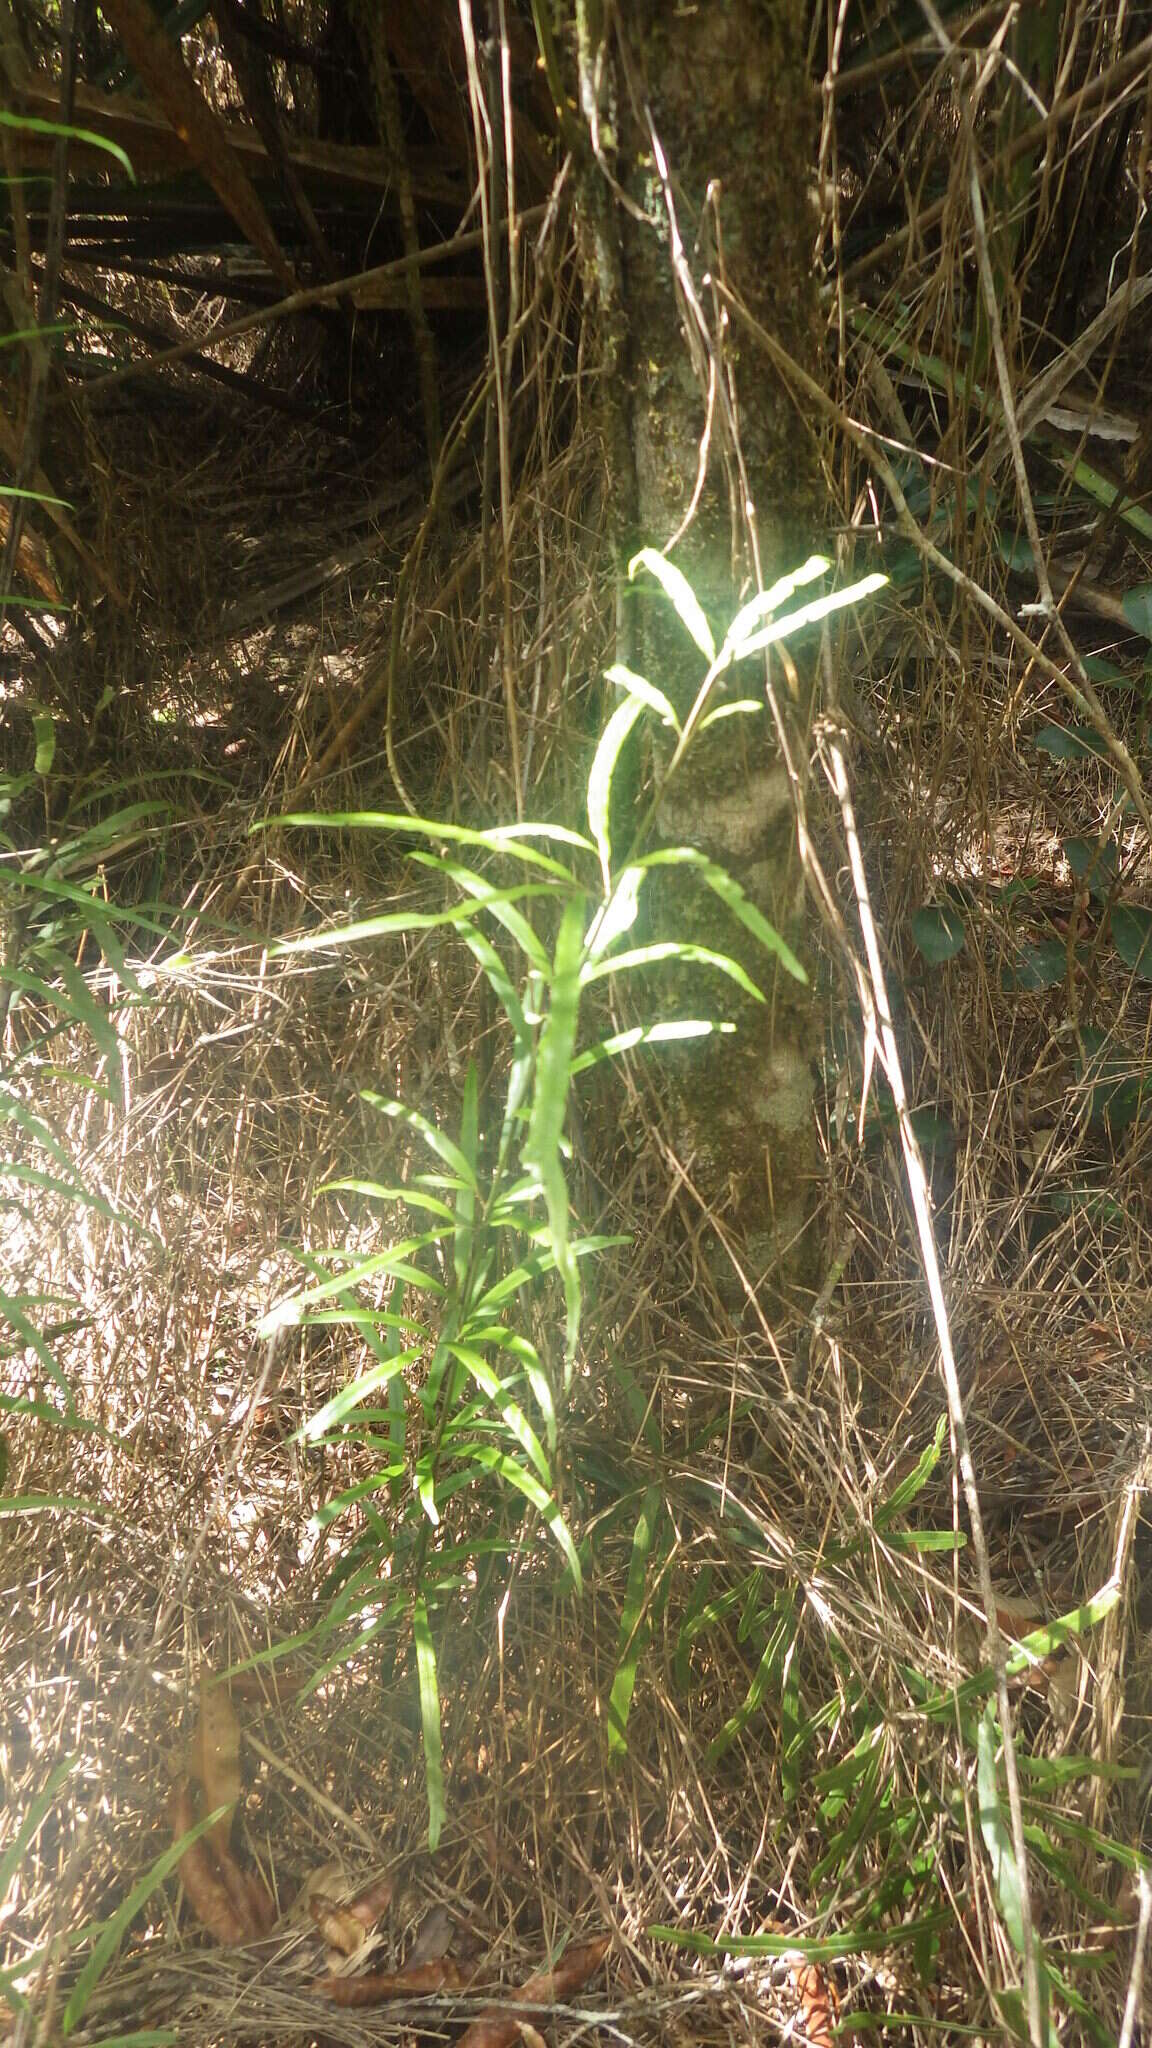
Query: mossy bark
[(730, 105)]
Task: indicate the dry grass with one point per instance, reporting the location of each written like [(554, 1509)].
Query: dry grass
[(774, 1451)]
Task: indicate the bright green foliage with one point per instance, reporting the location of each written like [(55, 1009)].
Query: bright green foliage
[(546, 912)]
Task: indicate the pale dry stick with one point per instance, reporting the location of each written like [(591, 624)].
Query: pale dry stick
[(1082, 695), (921, 1207), (1007, 397), (1136, 1975), (1046, 389)]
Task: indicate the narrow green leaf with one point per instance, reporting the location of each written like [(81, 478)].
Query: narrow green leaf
[(444, 1146), (723, 885), (30, 1825), (502, 903), (671, 1032), (44, 727), (639, 686), (429, 1721), (113, 1931), (767, 601), (498, 839), (632, 1635), (809, 614), (777, 1652), (31, 124), (544, 1503), (681, 595), (334, 1411), (513, 1415), (673, 949), (600, 779), (907, 1489)]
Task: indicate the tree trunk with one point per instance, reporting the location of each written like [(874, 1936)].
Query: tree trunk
[(722, 92)]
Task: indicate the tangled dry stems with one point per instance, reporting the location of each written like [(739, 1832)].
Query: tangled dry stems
[(242, 1101)]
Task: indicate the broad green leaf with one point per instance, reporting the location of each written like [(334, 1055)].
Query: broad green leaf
[(639, 686), (673, 949), (632, 1635), (1099, 670), (429, 1721), (1070, 742), (681, 595), (1094, 863), (1136, 605), (600, 779), (1132, 938), (1040, 964), (939, 933)]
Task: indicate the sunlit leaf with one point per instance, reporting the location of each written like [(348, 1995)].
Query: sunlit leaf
[(600, 778), (639, 686), (679, 591)]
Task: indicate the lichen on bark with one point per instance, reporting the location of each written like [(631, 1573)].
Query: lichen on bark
[(724, 93)]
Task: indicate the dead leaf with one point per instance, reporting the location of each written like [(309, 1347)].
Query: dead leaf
[(819, 2005), (375, 1987), (337, 1924), (498, 2030), (231, 1903), (372, 1902), (208, 1895), (214, 1759), (433, 1936)]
